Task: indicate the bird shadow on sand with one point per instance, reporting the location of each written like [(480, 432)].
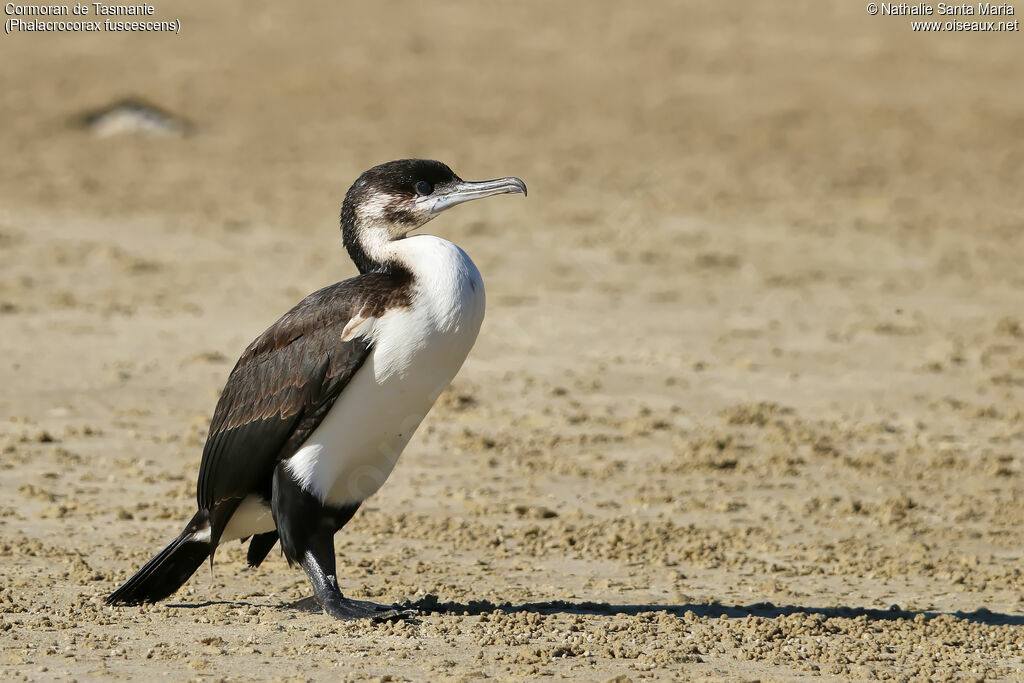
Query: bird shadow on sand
[(432, 605), (304, 605)]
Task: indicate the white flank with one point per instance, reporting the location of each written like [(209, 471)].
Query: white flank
[(252, 516)]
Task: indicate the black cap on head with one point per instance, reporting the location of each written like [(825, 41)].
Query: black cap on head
[(404, 177)]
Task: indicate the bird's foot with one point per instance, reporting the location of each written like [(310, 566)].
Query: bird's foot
[(345, 609)]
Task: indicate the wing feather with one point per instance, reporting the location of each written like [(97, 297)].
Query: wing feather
[(282, 387)]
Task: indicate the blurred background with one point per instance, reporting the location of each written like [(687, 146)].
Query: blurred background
[(673, 153), (760, 315)]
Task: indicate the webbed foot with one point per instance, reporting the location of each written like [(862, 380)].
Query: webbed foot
[(340, 607), (346, 609)]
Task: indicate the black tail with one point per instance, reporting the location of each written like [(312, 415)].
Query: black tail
[(169, 570)]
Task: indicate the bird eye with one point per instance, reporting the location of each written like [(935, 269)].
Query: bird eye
[(423, 188)]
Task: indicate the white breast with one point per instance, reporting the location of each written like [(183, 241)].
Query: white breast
[(416, 353)]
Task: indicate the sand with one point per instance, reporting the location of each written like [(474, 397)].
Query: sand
[(748, 402)]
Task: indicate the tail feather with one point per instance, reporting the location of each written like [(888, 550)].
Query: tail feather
[(169, 570), (259, 547)]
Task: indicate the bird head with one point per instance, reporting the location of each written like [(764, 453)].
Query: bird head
[(391, 200)]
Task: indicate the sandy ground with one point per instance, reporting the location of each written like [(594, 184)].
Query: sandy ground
[(748, 402)]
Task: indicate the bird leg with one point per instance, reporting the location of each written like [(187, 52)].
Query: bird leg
[(319, 565), (307, 527)]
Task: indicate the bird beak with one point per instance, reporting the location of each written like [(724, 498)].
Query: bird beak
[(466, 191)]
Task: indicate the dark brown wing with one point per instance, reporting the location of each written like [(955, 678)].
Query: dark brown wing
[(283, 386)]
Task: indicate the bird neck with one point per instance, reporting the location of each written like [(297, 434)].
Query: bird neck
[(373, 250), (351, 237)]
